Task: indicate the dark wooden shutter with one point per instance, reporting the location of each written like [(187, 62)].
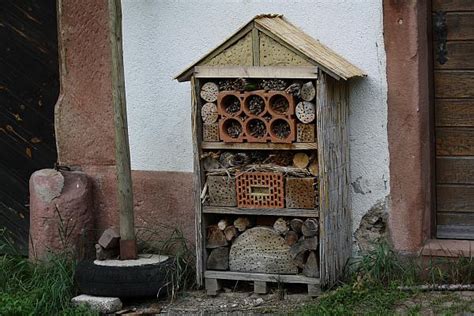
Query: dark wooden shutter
[(453, 30), (29, 88)]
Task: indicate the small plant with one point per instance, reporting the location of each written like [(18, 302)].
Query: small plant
[(379, 266), (170, 241)]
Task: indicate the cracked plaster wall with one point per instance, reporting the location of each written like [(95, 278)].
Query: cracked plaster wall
[(163, 37)]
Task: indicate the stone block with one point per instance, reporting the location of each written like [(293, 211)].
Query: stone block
[(61, 212), (109, 239), (97, 303)]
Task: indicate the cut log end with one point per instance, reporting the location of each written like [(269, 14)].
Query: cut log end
[(296, 224), (230, 233), (218, 259), (215, 237), (300, 160), (310, 227), (280, 226), (242, 223)]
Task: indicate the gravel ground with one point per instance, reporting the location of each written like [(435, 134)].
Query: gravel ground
[(244, 302)]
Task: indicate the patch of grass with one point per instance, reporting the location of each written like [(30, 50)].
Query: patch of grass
[(44, 288), (350, 300), (371, 287)]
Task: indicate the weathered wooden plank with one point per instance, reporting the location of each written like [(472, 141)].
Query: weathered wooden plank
[(333, 157), (294, 72), (255, 47), (454, 84), (200, 224), (454, 141), (244, 276), (460, 25), (455, 170), (455, 231), (259, 146), (460, 56), (212, 286), (455, 218), (292, 212), (454, 198), (453, 5), (454, 112)]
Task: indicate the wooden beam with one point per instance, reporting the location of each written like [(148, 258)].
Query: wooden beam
[(291, 212), (245, 276), (255, 47), (259, 146), (128, 249), (293, 72)]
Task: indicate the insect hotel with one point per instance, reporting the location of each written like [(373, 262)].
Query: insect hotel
[(271, 156)]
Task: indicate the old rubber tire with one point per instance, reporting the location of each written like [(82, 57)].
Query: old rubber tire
[(123, 281)]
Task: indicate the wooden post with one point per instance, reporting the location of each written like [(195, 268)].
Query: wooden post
[(128, 248)]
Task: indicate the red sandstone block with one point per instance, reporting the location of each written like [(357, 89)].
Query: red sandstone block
[(60, 212)]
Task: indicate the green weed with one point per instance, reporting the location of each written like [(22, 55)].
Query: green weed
[(43, 288), (372, 285)]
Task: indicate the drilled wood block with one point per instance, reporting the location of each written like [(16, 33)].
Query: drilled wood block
[(221, 191), (260, 190), (301, 193), (305, 133), (261, 250), (210, 132)]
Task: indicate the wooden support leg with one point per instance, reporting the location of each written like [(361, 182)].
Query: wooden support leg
[(260, 287), (314, 290), (212, 286)]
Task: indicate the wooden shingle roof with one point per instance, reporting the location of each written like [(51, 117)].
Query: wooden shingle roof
[(282, 30)]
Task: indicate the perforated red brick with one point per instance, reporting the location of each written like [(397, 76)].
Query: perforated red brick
[(264, 116), (260, 190)]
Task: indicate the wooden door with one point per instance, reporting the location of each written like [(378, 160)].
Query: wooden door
[(453, 35), (29, 88)]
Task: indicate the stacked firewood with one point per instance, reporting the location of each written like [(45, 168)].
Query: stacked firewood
[(304, 241), (218, 239), (300, 235)]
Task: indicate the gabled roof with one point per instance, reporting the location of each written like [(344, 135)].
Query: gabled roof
[(277, 27)]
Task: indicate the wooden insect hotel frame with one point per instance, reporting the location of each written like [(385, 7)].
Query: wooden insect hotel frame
[(271, 158)]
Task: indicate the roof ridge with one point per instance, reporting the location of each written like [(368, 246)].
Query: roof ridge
[(268, 15)]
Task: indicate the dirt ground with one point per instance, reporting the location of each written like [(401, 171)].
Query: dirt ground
[(228, 302), (240, 303), (438, 303)]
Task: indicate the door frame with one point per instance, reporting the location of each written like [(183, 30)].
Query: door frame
[(410, 100)]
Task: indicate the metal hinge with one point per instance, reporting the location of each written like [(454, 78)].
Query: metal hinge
[(440, 33)]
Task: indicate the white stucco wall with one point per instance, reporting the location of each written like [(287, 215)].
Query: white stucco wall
[(163, 37)]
